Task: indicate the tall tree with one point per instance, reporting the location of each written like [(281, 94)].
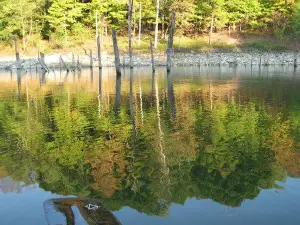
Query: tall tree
[(156, 24)]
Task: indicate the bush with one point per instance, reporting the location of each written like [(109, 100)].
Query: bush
[(264, 46), (295, 22)]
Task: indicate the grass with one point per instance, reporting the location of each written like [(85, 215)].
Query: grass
[(222, 42), (264, 46)]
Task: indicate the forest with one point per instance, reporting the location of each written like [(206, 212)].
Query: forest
[(67, 22)]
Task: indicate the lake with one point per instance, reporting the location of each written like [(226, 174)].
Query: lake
[(200, 145)]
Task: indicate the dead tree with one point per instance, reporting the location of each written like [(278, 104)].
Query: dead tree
[(99, 52), (152, 56), (116, 52), (18, 63), (170, 49), (130, 3)]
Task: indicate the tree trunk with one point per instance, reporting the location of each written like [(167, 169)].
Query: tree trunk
[(156, 24), (97, 32), (18, 64), (22, 22), (99, 52), (152, 56), (134, 21), (91, 59), (163, 35), (212, 24), (170, 49), (130, 3), (116, 51), (140, 24)]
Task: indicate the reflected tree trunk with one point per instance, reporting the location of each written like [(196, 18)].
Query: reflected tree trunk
[(171, 96), (99, 90), (118, 94), (141, 100), (27, 93), (19, 80), (92, 75), (153, 87), (165, 169), (210, 94)]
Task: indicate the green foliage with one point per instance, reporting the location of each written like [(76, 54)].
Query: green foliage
[(264, 46), (64, 20)]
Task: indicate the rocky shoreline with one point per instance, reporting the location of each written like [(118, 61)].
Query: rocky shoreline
[(179, 59)]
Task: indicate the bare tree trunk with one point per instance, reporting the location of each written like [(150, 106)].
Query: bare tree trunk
[(212, 24), (18, 64), (130, 3), (156, 24), (163, 34), (97, 32), (134, 21), (30, 33), (170, 49), (22, 22), (99, 52), (152, 56), (91, 59), (140, 24), (116, 51)]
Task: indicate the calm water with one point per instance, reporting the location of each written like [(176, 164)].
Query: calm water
[(198, 146)]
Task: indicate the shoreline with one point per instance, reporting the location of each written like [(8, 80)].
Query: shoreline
[(179, 59)]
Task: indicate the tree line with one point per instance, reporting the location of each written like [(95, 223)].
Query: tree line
[(80, 19)]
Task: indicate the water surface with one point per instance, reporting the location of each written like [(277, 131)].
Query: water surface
[(208, 145)]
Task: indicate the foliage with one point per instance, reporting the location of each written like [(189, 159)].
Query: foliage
[(62, 21)]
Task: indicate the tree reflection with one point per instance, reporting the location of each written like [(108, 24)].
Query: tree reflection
[(58, 138)]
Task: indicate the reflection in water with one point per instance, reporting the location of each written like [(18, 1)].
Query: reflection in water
[(76, 211), (99, 90), (19, 78), (118, 93), (156, 151), (171, 96), (92, 75), (165, 169)]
